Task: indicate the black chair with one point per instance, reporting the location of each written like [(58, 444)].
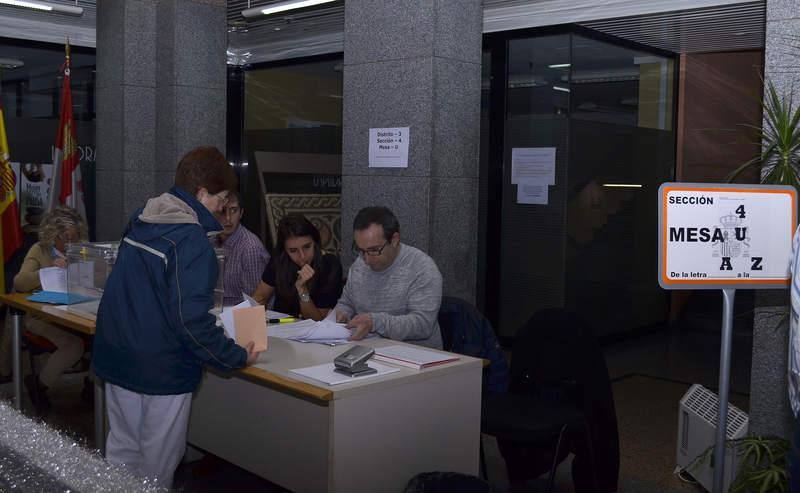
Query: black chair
[(466, 331), (559, 401), (446, 482), (36, 345)]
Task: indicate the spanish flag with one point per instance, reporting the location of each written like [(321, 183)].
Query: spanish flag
[(10, 230)]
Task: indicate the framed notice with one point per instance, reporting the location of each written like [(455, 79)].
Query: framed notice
[(715, 236)]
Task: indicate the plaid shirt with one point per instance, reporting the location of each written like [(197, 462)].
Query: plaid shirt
[(245, 260)]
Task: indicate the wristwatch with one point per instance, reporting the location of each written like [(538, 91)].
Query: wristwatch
[(305, 297)]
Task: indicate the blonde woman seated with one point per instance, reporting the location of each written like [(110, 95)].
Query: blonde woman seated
[(59, 227)]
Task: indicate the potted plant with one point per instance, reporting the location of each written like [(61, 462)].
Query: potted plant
[(762, 464), (780, 141)]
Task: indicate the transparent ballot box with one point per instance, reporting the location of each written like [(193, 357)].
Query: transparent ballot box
[(88, 267)]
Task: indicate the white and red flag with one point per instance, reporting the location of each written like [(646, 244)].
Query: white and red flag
[(67, 186)]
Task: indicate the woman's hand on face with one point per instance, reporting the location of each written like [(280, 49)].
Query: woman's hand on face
[(303, 276), (60, 262)]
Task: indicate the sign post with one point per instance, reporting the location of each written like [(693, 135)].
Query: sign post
[(728, 237)]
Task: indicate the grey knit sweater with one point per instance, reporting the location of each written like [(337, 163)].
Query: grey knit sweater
[(404, 299)]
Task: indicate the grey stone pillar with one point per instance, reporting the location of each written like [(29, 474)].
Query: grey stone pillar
[(192, 78), (770, 413), (160, 91), (417, 64), (126, 110)]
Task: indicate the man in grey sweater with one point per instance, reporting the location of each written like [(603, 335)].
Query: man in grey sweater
[(392, 289)]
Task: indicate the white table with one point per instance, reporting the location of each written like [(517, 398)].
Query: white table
[(369, 435)]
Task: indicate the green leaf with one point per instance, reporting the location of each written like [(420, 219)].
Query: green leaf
[(779, 136)]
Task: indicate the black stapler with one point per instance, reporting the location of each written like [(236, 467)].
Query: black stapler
[(353, 362)]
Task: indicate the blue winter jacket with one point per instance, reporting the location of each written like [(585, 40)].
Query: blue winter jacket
[(154, 329)]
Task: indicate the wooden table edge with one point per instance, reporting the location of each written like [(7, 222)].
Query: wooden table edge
[(63, 318), (286, 385)]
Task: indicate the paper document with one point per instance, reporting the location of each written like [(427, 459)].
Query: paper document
[(412, 357), (250, 301), (53, 279), (270, 313), (308, 330), (251, 326), (534, 164), (324, 373), (56, 298), (227, 318), (531, 193)]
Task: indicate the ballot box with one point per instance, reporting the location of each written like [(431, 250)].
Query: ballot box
[(88, 267)]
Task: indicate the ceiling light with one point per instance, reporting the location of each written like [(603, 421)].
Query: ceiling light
[(11, 63), (559, 88), (622, 185), (560, 65), (274, 8), (45, 6)]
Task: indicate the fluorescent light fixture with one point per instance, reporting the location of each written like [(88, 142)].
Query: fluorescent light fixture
[(45, 6), (622, 185), (274, 8), (11, 63), (559, 88), (560, 65)]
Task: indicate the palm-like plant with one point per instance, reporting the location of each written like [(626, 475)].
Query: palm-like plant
[(763, 460), (762, 464), (779, 158)]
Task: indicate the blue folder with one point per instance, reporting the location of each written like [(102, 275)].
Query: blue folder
[(56, 298)]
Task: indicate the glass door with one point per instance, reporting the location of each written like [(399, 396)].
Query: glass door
[(586, 239)]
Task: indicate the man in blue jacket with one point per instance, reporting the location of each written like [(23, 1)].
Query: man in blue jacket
[(154, 329)]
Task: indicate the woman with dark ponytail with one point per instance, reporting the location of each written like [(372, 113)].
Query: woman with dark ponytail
[(304, 280)]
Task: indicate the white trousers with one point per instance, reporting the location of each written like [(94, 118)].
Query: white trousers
[(147, 433)]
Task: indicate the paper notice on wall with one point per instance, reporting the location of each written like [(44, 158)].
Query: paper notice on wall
[(532, 193), (388, 147), (533, 165), (33, 192)]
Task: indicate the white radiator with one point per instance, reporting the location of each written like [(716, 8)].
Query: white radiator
[(697, 425)]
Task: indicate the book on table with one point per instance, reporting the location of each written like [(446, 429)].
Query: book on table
[(412, 357)]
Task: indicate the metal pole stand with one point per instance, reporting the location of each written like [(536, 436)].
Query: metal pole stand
[(16, 355), (724, 386), (99, 414)]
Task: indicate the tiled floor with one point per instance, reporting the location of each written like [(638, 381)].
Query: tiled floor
[(650, 374)]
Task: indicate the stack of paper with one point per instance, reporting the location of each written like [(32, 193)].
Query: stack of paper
[(412, 357), (325, 331), (324, 373)]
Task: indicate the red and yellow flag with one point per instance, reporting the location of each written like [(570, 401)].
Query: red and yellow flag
[(10, 229)]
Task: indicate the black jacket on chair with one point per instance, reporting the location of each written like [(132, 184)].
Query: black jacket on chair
[(556, 357), (466, 331)]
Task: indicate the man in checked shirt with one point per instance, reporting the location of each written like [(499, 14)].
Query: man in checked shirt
[(245, 255)]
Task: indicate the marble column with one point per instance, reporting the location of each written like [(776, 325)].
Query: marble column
[(770, 413), (417, 64), (161, 78)]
